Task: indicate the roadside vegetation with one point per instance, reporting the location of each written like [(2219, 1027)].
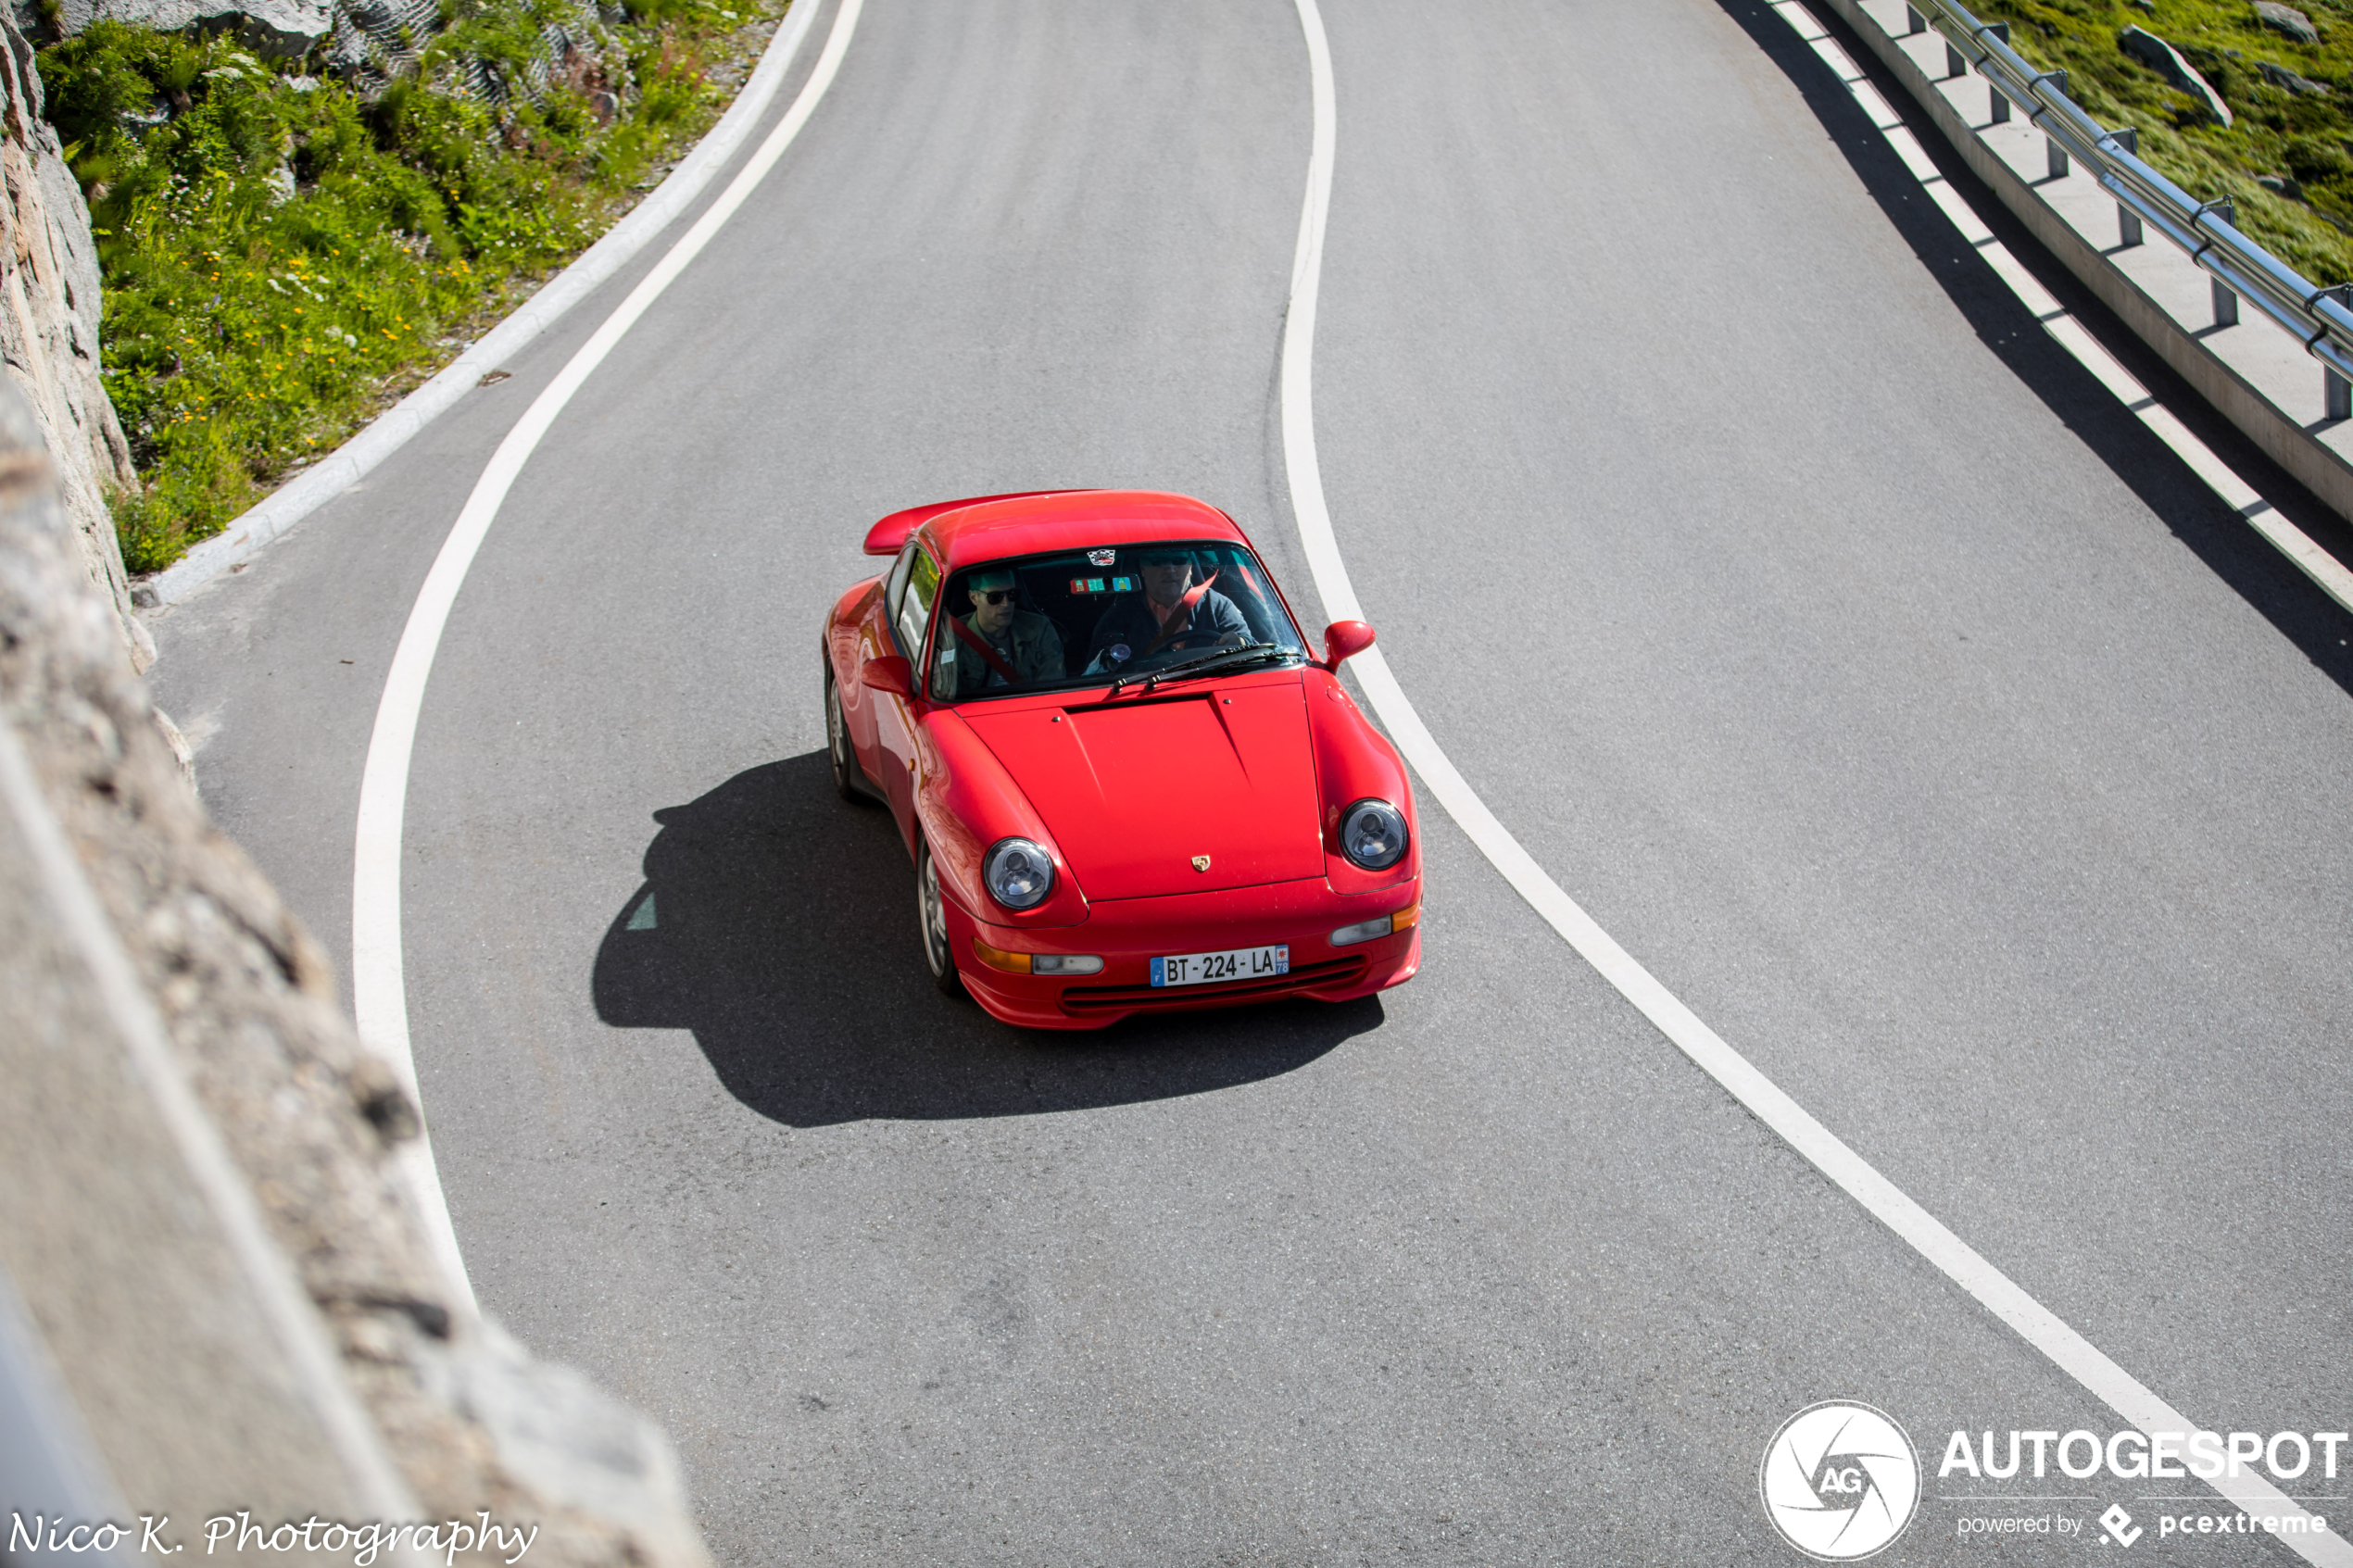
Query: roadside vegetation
[(2287, 161), (283, 251)]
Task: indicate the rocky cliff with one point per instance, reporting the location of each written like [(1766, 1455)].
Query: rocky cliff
[(204, 1229), (49, 310)]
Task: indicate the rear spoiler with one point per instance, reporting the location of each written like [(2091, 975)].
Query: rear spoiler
[(890, 536)]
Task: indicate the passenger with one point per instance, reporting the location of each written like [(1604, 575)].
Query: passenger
[(1001, 644), (1170, 612)]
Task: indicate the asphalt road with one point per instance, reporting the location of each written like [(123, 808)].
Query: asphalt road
[(1843, 648)]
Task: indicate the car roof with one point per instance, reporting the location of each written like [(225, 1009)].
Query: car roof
[(1070, 519)]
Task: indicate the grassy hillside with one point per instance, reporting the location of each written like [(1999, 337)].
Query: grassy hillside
[(282, 254), (2301, 143)]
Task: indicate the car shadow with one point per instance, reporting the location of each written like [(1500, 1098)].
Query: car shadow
[(777, 924)]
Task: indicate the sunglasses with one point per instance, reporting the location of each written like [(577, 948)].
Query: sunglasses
[(993, 596)]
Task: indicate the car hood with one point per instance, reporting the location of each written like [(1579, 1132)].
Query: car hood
[(1133, 790)]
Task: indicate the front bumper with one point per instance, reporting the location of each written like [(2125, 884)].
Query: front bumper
[(1130, 933)]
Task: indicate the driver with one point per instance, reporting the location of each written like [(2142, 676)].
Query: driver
[(1001, 644), (1173, 611)]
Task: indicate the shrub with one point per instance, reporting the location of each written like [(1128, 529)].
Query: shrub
[(278, 249)]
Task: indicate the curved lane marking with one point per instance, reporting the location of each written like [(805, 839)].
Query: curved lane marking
[(379, 995), (1923, 1232), (292, 503)]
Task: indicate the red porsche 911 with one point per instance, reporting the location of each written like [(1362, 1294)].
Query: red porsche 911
[(1126, 783)]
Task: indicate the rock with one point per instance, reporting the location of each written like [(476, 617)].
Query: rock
[(2280, 76), (2281, 185), (2286, 20), (278, 29), (49, 312), (371, 34), (106, 1240), (2167, 61), (2146, 8)]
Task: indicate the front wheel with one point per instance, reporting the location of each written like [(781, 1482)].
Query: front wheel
[(931, 905)]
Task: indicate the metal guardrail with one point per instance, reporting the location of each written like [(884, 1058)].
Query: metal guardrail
[(2317, 316)]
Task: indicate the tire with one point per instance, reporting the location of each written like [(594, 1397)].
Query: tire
[(931, 918), (847, 781)]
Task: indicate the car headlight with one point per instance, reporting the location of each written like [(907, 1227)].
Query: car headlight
[(1372, 833), (1019, 874)]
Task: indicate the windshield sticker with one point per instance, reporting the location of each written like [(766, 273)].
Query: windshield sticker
[(1102, 558)]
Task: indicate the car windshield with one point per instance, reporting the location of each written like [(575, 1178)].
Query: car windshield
[(1085, 617)]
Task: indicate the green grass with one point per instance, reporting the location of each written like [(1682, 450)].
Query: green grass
[(281, 255), (2305, 141)]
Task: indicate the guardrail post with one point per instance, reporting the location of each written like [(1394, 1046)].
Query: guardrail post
[(2057, 161), (2128, 222), (2336, 392), (1914, 23), (1999, 108), (2226, 304)]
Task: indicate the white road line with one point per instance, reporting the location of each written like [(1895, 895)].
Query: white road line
[(2035, 1324), (2325, 571), (292, 503), (379, 995)]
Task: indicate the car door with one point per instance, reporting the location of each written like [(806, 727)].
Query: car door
[(895, 717), (872, 638)]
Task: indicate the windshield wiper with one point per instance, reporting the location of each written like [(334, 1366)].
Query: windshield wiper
[(1209, 664)]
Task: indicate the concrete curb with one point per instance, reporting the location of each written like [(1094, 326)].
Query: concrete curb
[(296, 500), (2252, 374)]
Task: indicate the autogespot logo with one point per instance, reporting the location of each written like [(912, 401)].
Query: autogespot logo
[(1840, 1480)]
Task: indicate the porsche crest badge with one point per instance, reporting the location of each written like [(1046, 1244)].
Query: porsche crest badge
[(1200, 862)]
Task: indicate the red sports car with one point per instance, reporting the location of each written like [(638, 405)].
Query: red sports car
[(1126, 783)]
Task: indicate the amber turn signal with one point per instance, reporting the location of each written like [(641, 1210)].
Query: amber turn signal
[(997, 958)]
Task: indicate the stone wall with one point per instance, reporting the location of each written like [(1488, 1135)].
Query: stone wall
[(49, 312), (127, 1264)]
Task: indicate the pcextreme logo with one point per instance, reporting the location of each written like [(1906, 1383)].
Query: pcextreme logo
[(1840, 1480)]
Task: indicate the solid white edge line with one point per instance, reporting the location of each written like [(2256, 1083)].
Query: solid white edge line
[(279, 513), (291, 1316), (379, 995), (2068, 1351)]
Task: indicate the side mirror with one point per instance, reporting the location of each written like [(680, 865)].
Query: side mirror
[(1344, 640), (889, 672)]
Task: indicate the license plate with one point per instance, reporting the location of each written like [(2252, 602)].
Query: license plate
[(1239, 963)]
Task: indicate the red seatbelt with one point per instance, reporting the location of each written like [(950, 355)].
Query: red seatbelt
[(1173, 627), (979, 645)]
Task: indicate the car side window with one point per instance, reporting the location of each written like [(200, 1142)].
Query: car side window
[(897, 584), (914, 604)]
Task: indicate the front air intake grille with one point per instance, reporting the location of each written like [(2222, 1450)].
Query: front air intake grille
[(1303, 977)]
